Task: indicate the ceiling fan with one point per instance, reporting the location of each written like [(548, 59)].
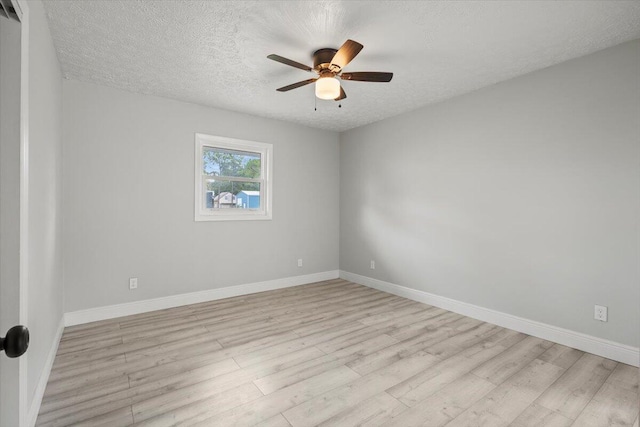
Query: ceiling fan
[(328, 64)]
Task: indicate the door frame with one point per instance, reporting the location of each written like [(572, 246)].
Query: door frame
[(22, 10)]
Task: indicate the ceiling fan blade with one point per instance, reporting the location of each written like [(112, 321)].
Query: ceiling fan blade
[(346, 53), (289, 62), (296, 85), (343, 95), (367, 76)]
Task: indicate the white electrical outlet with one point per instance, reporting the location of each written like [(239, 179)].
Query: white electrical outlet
[(133, 283), (600, 313), (299, 262), (373, 265)]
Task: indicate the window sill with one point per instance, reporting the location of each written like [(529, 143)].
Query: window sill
[(233, 217)]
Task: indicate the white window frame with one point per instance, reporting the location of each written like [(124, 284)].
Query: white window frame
[(202, 213)]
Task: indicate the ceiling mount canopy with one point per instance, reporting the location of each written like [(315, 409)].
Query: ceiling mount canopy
[(328, 64)]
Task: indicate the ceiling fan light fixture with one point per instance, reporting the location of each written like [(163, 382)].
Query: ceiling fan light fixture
[(329, 64), (327, 88)]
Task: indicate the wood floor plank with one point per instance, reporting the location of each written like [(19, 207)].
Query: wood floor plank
[(613, 405), (447, 348), (268, 406), (87, 356), (277, 421), (103, 414), (510, 361), (74, 396), (333, 325), (201, 406), (625, 376), (443, 328), (347, 340), (164, 402), (176, 350), (89, 329), (507, 401), (330, 353), (325, 406), (290, 376), (428, 322), (419, 387), (148, 330), (170, 401), (219, 376), (75, 379), (616, 402), (263, 354), (119, 417), (573, 391), (371, 412), (561, 355), (77, 345), (388, 317), (410, 325), (85, 407), (446, 404), (539, 416), (155, 369)]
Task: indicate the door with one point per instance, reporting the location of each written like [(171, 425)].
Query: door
[(10, 49)]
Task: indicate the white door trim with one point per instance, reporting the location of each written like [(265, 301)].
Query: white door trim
[(22, 9)]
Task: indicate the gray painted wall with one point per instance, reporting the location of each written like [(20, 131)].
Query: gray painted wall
[(45, 286), (128, 189), (522, 197)]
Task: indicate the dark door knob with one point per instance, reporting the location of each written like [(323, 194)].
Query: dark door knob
[(16, 342)]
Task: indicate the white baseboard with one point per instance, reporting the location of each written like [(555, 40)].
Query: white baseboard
[(137, 307), (601, 347), (44, 377)]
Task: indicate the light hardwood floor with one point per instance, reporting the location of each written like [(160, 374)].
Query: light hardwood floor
[(328, 353)]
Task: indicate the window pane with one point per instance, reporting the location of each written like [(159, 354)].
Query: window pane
[(222, 162), (221, 194)]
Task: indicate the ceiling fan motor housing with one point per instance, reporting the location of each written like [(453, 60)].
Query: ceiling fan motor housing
[(322, 60)]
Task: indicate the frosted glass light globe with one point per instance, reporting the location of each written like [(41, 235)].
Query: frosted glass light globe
[(327, 88)]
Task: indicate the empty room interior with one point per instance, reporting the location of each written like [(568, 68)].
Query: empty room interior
[(336, 213)]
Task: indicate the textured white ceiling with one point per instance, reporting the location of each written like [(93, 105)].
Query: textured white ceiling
[(214, 53)]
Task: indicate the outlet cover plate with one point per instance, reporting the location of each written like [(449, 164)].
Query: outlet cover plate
[(600, 313)]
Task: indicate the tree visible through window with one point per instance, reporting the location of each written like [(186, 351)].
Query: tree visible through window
[(234, 175)]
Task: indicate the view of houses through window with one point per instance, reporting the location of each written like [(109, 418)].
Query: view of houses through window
[(232, 178)]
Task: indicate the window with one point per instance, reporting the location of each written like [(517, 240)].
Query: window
[(233, 179)]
